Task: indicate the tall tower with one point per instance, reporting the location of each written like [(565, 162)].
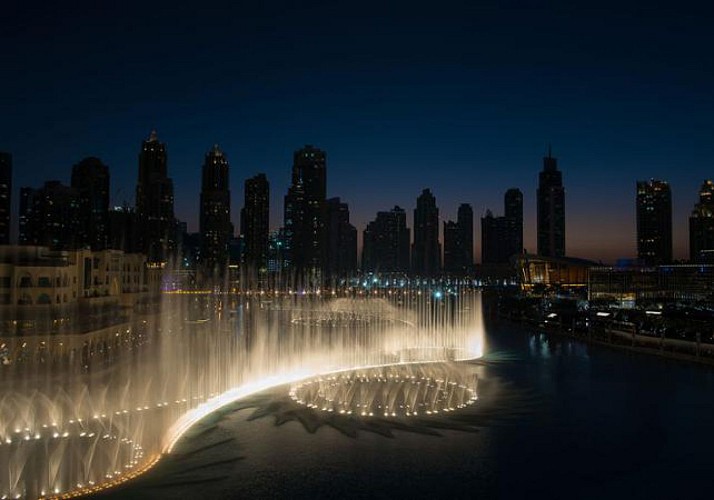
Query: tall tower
[(426, 250), (155, 201), (654, 222), (551, 209), (90, 178), (305, 215), (5, 196), (701, 225), (254, 225), (341, 240), (459, 242), (513, 211), (215, 216)]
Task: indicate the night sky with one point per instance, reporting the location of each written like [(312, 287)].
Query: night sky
[(460, 97)]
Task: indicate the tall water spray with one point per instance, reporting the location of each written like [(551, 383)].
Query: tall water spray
[(83, 412)]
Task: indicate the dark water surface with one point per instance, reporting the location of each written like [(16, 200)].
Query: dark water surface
[(556, 419)]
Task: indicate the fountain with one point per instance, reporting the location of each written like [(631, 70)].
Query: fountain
[(78, 415)]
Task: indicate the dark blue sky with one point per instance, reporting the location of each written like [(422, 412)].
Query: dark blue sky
[(461, 97)]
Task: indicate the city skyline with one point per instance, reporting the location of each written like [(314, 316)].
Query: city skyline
[(462, 99), (276, 213)]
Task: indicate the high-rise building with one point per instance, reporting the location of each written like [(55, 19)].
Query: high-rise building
[(124, 230), (459, 242), (155, 201), (5, 196), (50, 216), (277, 257), (215, 217), (502, 237), (341, 240), (90, 178), (551, 209), (513, 210), (385, 245), (654, 222), (701, 225), (305, 215), (255, 224), (426, 250)]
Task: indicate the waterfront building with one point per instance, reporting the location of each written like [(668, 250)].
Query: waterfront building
[(701, 225), (44, 291), (636, 284), (654, 222)]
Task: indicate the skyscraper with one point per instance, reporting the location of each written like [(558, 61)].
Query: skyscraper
[(459, 242), (90, 178), (155, 201), (513, 210), (385, 245), (426, 250), (5, 196), (255, 224), (654, 222), (305, 214), (502, 237), (50, 216), (551, 209), (123, 230), (701, 225), (341, 240), (215, 215)]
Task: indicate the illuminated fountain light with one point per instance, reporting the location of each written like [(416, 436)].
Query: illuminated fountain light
[(59, 430), (393, 391)]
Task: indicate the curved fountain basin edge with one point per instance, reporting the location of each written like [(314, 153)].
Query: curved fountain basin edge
[(192, 417)]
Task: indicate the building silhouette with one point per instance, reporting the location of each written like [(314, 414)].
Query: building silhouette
[(701, 225), (5, 196), (426, 249), (654, 222), (513, 210), (155, 201), (385, 243), (124, 229), (50, 216), (341, 240), (551, 209), (305, 215), (255, 226), (502, 237), (90, 179), (459, 243), (215, 214)]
